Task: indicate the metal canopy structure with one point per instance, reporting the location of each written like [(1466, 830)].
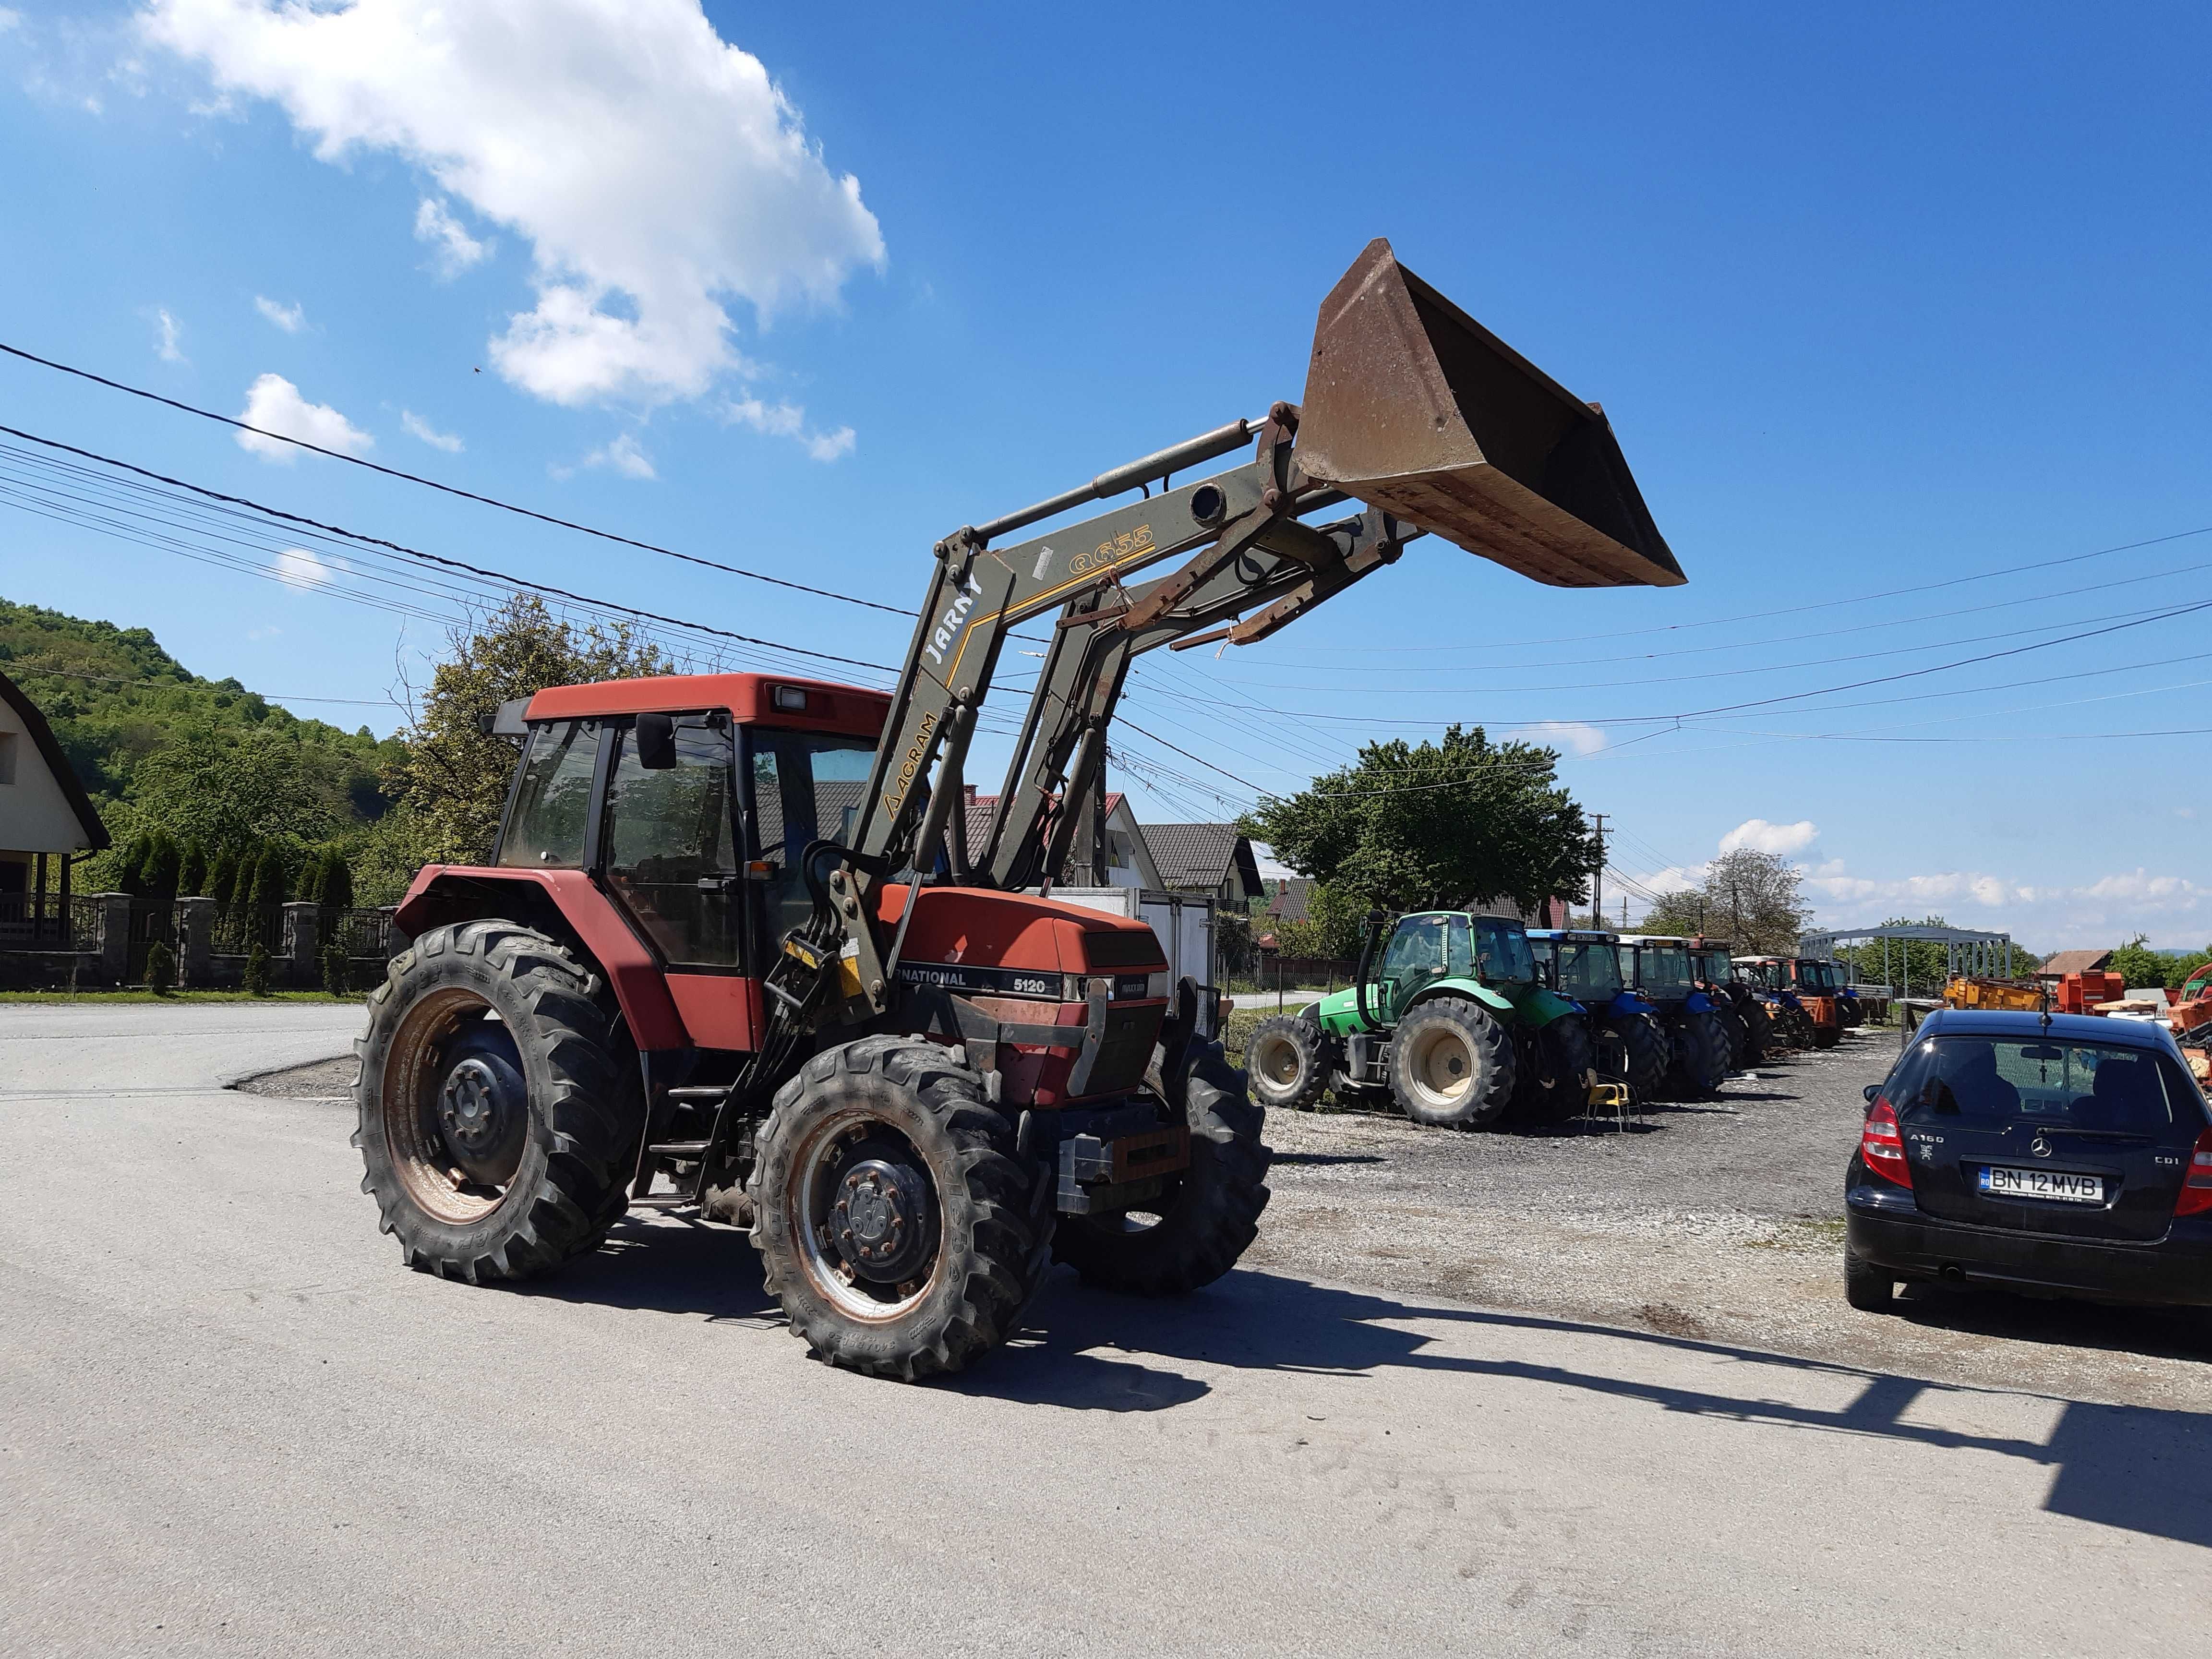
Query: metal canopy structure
[(1965, 950)]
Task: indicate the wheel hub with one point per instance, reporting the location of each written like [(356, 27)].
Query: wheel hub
[(881, 1223), (483, 1114)]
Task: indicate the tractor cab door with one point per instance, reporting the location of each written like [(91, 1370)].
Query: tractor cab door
[(669, 846), (1422, 949)]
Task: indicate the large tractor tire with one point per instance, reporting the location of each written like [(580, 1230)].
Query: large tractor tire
[(1210, 1214), (1645, 1039), (1555, 1085), (1738, 1035), (1290, 1061), (497, 1118), (1452, 1065), (1758, 1027), (1827, 1036), (896, 1220), (1701, 1057)]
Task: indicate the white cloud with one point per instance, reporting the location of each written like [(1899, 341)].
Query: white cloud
[(657, 171), (295, 567), (274, 404), (2173, 910), (1764, 838), (624, 456), (786, 420), (291, 319), (455, 248), (10, 19), (415, 427), (1569, 734), (167, 331)]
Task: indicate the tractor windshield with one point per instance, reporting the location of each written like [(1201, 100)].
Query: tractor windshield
[(1589, 970), (1662, 970), (1817, 977), (1502, 951)]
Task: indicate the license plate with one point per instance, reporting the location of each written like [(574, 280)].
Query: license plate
[(2000, 1183)]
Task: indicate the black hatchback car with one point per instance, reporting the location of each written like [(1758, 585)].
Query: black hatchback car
[(2070, 1154)]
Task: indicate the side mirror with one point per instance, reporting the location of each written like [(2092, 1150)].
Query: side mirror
[(655, 736)]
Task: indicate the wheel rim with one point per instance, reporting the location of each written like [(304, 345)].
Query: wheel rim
[(1441, 1067), (867, 1216), (1277, 1064), (455, 1123)]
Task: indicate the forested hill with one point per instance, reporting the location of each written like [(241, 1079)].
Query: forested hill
[(157, 744)]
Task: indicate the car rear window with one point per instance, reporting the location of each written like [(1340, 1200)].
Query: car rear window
[(2077, 1086)]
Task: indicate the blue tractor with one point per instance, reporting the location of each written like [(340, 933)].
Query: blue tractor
[(1585, 964), (1698, 1049)]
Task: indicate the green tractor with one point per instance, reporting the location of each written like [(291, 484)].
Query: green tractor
[(1452, 1022)]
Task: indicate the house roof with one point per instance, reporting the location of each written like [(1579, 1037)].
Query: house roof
[(980, 807), (2074, 962), (1293, 899), (1192, 856), (49, 751)]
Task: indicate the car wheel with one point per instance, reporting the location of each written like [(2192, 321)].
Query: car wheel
[(1866, 1286)]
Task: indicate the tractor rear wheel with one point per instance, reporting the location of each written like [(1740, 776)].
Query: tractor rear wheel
[(1759, 1028), (1290, 1061), (1645, 1039), (896, 1217), (1208, 1216), (1556, 1086), (1452, 1066), (1701, 1056), (1738, 1035), (498, 1121)]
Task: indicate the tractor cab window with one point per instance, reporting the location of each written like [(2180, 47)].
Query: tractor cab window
[(1502, 953), (1421, 950), (554, 800), (670, 844), (1662, 970), (806, 786), (1589, 970)]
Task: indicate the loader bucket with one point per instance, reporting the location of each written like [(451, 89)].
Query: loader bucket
[(1412, 406)]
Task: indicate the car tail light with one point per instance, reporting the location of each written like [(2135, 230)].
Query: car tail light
[(2197, 1185), (1883, 1145)]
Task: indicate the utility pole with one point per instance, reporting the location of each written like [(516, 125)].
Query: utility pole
[(1597, 879)]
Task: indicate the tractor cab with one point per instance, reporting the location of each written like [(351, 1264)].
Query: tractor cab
[(1802, 1019), (1659, 967), (1586, 964)]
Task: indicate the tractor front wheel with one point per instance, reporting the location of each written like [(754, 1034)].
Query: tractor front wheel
[(1452, 1066), (497, 1122), (896, 1220), (1555, 1086), (1210, 1214), (1645, 1039), (1701, 1056), (1290, 1061)]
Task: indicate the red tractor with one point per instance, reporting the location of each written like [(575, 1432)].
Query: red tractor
[(735, 952)]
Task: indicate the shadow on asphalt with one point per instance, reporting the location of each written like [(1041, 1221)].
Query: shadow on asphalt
[(2138, 1468)]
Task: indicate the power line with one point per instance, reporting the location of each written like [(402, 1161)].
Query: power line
[(450, 489), (358, 537)]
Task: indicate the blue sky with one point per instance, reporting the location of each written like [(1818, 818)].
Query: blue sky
[(1877, 301)]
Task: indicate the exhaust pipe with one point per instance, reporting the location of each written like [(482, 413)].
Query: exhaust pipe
[(1414, 407)]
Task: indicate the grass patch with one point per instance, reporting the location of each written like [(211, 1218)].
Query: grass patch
[(1825, 1233), (110, 998)]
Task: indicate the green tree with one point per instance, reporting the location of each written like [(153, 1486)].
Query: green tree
[(1459, 821), (216, 785), (1753, 900), (2137, 963), (449, 777)]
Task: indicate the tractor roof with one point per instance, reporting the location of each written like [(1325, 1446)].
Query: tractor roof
[(1571, 934), (769, 700)]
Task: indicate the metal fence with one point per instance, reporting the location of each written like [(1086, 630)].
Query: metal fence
[(1274, 973), (235, 932), (47, 921), (366, 935)]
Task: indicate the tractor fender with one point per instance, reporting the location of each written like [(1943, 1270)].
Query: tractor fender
[(1470, 990), (1339, 1012), (563, 904), (1697, 1003), (1626, 1005), (1539, 1007)]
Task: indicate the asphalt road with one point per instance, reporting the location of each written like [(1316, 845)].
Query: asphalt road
[(231, 1423)]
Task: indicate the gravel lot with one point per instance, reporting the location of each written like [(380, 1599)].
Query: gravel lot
[(1721, 1219), (1718, 1220)]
